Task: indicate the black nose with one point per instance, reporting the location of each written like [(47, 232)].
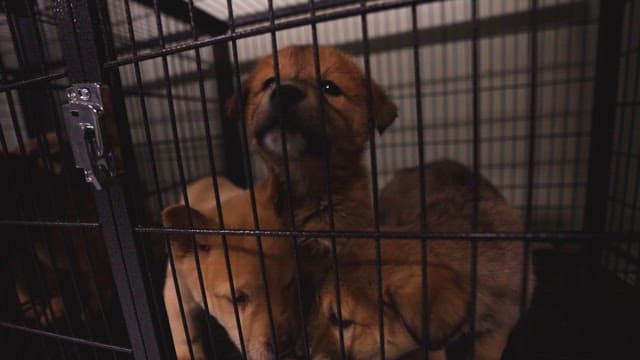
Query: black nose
[(286, 96)]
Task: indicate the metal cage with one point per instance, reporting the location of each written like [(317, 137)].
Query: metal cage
[(541, 97)]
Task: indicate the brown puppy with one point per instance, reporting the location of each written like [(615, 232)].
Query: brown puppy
[(295, 106), (246, 271), (449, 209), (35, 189)]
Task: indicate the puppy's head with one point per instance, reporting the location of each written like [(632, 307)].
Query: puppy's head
[(295, 107), (359, 317), (249, 287)]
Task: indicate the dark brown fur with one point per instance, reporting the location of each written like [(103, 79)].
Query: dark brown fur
[(449, 208)]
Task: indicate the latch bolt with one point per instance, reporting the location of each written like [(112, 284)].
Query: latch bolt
[(84, 118)]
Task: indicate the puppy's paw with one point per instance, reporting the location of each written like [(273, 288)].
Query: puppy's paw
[(53, 312), (45, 314)]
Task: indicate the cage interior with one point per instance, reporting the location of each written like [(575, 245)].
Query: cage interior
[(532, 97)]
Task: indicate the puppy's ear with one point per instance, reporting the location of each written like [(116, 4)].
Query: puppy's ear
[(447, 300), (384, 110), (177, 216), (236, 103), (403, 293)]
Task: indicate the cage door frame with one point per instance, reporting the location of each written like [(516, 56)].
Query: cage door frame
[(85, 49)]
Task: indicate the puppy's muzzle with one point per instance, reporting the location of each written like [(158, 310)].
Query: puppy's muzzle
[(284, 110)]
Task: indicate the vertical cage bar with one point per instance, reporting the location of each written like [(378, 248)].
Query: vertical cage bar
[(616, 213), (287, 173), (417, 78), (476, 171), (246, 162), (533, 88), (221, 59), (611, 16), (84, 52), (374, 172), (607, 67), (327, 166), (146, 248), (230, 129), (635, 104), (444, 38)]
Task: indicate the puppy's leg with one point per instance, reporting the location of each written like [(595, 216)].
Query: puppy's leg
[(191, 311), (490, 346), (55, 309)]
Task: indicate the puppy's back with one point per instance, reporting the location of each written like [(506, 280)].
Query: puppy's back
[(448, 187), (449, 202)]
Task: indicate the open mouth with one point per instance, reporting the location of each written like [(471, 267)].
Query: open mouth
[(271, 141)]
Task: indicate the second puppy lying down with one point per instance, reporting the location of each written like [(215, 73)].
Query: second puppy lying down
[(246, 270), (449, 209)]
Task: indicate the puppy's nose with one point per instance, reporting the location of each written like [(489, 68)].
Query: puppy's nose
[(287, 96)]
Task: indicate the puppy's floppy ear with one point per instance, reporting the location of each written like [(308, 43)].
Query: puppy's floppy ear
[(177, 216), (447, 301), (384, 110), (236, 103), (403, 292)]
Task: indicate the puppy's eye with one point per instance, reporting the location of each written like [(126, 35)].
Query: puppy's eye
[(330, 88), (333, 319), (267, 83), (241, 298), (204, 247)]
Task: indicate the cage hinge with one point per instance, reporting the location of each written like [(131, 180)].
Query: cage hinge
[(84, 121)]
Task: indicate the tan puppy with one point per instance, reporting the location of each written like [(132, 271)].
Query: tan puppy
[(449, 209), (245, 268), (295, 106)]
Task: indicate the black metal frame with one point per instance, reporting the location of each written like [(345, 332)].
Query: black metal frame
[(90, 56), (84, 50)]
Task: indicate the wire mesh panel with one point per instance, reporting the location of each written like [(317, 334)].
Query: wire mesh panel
[(213, 239), (59, 300)]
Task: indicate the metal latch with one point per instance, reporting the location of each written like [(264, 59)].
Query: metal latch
[(84, 118)]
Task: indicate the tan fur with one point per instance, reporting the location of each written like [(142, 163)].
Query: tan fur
[(246, 272), (449, 205), (347, 128), (347, 133), (35, 190), (202, 196)]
